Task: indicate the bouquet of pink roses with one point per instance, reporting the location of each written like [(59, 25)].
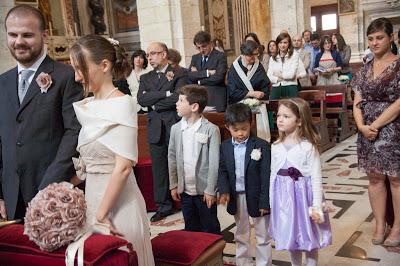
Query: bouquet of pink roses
[(55, 216)]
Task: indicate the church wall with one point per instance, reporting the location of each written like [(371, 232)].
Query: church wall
[(7, 61), (173, 22)]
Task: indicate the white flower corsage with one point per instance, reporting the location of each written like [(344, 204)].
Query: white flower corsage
[(44, 81), (170, 75), (255, 154), (202, 138), (251, 102)]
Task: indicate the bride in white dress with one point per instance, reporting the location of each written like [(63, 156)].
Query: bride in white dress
[(108, 146)]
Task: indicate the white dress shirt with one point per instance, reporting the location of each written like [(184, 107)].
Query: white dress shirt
[(190, 153), (289, 69)]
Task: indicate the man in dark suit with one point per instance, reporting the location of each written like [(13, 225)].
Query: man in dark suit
[(158, 92), (38, 127), (208, 68)]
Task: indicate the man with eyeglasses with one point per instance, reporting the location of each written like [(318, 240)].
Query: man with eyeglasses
[(158, 91), (208, 68), (247, 77)]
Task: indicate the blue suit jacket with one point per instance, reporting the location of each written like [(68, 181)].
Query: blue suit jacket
[(256, 176)]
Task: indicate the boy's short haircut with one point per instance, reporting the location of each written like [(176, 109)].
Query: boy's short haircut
[(202, 37), (195, 94), (237, 113)]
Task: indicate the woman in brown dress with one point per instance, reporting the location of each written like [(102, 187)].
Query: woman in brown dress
[(376, 111)]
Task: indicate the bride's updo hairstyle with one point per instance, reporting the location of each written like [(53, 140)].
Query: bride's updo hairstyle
[(96, 48)]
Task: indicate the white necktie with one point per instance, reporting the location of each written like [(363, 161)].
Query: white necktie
[(24, 83)]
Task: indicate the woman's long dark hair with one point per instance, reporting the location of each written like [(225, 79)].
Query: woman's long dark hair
[(281, 37)]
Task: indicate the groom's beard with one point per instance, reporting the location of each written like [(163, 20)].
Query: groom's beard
[(29, 54)]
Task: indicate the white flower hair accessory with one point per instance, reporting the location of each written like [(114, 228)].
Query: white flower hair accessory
[(113, 41), (202, 138), (255, 154), (44, 81)]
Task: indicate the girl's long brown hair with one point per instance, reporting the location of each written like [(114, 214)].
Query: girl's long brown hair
[(307, 130)]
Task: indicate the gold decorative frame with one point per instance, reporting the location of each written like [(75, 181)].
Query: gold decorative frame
[(346, 7)]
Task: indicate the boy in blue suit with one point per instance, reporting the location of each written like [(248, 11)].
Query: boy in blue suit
[(243, 183)]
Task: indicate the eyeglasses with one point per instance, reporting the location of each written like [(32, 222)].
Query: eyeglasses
[(152, 53), (252, 55)]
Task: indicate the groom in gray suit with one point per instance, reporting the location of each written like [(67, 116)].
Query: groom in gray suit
[(38, 126)]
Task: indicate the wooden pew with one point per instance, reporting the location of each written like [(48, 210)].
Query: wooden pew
[(215, 118), (317, 98), (338, 113), (319, 116)]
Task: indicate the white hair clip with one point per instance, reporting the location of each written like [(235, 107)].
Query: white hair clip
[(113, 41)]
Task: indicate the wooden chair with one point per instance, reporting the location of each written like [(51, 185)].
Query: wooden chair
[(317, 98), (337, 113)]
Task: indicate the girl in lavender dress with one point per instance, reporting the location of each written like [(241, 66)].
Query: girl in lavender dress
[(297, 221)]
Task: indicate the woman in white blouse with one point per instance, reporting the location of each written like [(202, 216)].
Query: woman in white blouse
[(139, 65), (284, 69)]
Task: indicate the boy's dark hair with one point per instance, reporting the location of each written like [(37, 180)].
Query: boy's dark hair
[(202, 37), (195, 94), (237, 113)]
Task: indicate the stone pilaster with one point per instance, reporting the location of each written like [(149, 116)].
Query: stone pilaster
[(290, 15), (174, 22), (7, 61), (260, 20)]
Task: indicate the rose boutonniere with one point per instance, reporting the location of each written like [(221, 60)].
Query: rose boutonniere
[(44, 81), (169, 75), (255, 154), (202, 138)]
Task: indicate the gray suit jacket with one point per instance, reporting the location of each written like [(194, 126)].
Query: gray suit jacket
[(38, 137), (207, 158)]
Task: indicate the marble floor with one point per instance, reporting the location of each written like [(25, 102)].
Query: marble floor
[(350, 215)]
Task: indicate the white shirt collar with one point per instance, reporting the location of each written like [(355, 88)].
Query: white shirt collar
[(234, 142), (163, 70), (248, 66), (35, 66), (195, 126)]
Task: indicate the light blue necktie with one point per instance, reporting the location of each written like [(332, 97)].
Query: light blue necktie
[(24, 83)]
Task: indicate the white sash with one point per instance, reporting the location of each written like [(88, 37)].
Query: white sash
[(78, 245), (262, 120)]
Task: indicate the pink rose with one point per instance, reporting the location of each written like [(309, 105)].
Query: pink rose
[(50, 241), (66, 198), (169, 75), (70, 215), (44, 81), (50, 207)]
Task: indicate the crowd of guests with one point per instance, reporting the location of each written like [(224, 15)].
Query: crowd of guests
[(279, 186), (288, 62)]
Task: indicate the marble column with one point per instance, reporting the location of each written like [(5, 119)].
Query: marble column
[(290, 15), (174, 22), (7, 61)]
